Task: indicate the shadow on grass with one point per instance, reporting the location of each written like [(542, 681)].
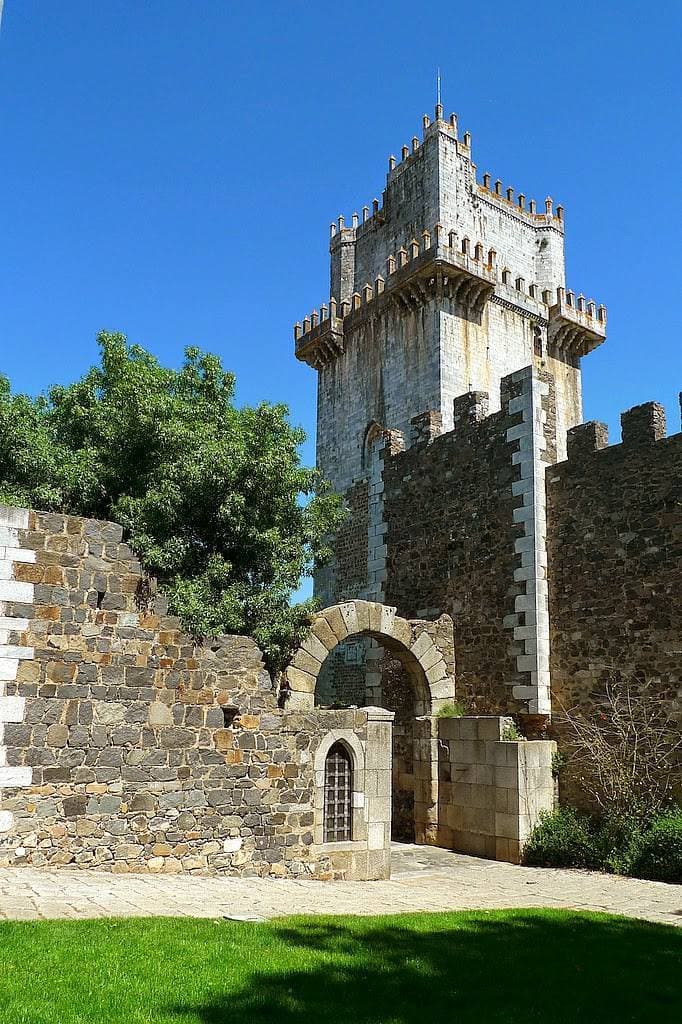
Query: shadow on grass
[(482, 967)]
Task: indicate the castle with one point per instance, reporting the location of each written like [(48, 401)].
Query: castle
[(497, 552), (449, 413)]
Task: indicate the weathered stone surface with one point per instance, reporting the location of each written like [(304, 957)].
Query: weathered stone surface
[(126, 752), (615, 567)]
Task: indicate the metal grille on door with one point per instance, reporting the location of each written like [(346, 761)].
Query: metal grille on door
[(338, 792)]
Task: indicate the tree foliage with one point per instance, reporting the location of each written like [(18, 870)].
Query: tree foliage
[(212, 497)]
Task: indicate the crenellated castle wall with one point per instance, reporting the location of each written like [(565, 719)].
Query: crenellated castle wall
[(454, 522), (558, 575), (615, 560)]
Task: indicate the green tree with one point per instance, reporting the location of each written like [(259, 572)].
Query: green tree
[(213, 498)]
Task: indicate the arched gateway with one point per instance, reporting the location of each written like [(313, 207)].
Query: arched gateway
[(426, 652), (425, 649)]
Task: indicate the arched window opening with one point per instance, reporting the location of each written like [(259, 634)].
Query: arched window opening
[(338, 795), (374, 430)]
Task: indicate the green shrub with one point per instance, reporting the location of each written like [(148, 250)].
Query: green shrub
[(618, 839), (451, 709), (562, 839), (559, 762), (511, 732), (659, 853)]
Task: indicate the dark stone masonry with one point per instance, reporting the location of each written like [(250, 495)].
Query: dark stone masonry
[(615, 560)]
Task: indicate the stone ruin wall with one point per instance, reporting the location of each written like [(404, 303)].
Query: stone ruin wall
[(127, 746)]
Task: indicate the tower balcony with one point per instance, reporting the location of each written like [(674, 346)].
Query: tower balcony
[(414, 276), (576, 326), (321, 342)]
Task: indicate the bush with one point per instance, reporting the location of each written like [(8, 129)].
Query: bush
[(615, 843), (511, 731), (659, 853), (451, 709), (624, 750), (562, 839)]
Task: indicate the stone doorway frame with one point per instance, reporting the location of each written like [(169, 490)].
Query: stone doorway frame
[(426, 651)]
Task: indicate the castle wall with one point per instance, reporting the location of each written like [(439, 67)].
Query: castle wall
[(128, 746), (456, 524), (464, 516), (615, 560)]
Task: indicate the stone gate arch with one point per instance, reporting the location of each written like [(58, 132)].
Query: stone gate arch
[(426, 652), (425, 649)]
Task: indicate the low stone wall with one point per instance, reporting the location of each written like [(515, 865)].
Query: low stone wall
[(127, 746), (490, 790)]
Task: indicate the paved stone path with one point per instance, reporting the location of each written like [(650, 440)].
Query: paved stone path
[(424, 878)]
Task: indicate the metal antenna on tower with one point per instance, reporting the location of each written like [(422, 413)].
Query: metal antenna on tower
[(438, 86)]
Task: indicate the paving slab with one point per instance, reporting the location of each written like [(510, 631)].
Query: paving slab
[(423, 879)]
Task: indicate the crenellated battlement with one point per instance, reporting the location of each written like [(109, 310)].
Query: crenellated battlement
[(467, 272), (503, 198), (497, 196), (442, 285), (641, 426), (430, 129)]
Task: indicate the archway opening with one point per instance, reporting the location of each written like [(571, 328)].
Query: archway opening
[(361, 671), (361, 654)]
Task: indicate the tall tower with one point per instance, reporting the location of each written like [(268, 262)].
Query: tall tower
[(443, 288), (449, 337)]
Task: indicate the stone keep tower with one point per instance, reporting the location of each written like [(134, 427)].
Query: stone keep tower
[(445, 287), (447, 304)]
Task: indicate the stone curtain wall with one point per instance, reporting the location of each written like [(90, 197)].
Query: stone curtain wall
[(465, 517), (615, 559), (128, 747)]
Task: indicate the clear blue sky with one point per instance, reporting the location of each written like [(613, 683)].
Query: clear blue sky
[(170, 169)]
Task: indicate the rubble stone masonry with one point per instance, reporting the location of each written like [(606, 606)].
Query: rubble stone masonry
[(127, 746), (465, 514), (615, 559)]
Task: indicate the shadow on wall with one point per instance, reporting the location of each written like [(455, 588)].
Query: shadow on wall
[(483, 967)]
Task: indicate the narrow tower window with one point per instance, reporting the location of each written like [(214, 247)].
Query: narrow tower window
[(338, 791)]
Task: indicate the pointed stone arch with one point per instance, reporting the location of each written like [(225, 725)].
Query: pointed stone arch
[(425, 649)]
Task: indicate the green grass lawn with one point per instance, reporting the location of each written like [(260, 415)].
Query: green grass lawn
[(527, 965)]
